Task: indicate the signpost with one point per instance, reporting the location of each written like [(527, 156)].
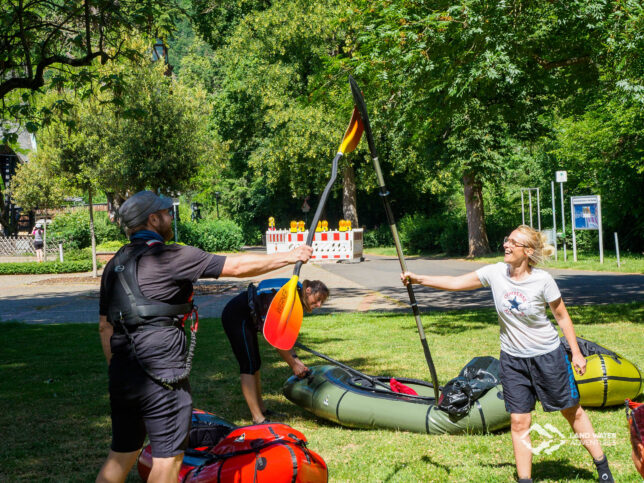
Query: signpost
[(562, 177), (554, 217), (530, 190), (586, 215)]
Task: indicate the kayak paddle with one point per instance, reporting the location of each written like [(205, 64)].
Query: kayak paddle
[(384, 193), (284, 317)]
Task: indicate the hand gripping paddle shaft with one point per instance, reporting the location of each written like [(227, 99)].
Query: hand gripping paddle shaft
[(384, 194), (284, 317)]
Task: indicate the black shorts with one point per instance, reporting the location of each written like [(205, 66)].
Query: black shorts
[(38, 245), (548, 378), (242, 334), (140, 406)]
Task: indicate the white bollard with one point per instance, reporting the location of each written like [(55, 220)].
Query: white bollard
[(60, 252), (617, 249)]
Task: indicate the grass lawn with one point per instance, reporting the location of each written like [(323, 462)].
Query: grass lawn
[(55, 420), (629, 263)]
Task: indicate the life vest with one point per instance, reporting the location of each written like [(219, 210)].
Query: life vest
[(260, 298), (129, 309), (128, 305)]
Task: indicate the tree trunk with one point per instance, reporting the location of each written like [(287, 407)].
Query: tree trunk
[(349, 204), (114, 202), (92, 233), (477, 235)]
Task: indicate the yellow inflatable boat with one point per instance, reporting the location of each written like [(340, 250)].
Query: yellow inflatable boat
[(609, 377)]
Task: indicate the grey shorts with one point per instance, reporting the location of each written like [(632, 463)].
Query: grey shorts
[(140, 406), (548, 378)]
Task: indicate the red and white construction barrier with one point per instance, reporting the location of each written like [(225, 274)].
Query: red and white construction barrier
[(328, 246)]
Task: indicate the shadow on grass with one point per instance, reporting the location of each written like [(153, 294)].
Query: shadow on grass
[(555, 470)]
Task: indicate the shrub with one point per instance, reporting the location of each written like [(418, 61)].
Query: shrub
[(212, 236), (45, 267), (72, 229), (110, 246), (453, 238), (419, 233), (379, 236)]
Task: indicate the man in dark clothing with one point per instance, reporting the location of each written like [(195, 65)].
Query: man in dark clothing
[(145, 292)]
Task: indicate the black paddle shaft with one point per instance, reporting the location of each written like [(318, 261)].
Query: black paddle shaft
[(318, 211), (384, 194)]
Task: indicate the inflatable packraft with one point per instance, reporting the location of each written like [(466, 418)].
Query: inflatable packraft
[(221, 452), (471, 403), (609, 378)]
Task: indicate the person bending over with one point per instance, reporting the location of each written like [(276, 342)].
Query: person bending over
[(243, 317), (146, 294), (534, 364)]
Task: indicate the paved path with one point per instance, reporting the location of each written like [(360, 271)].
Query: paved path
[(371, 285), (382, 275)]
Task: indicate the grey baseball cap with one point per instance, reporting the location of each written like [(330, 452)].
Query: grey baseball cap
[(138, 207)]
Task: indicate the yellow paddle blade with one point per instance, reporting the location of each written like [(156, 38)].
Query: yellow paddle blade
[(353, 134), (284, 317)]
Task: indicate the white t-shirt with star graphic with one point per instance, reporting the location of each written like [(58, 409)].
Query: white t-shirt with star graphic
[(521, 306)]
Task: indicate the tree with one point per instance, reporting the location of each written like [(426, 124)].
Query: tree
[(151, 134), (281, 117), (44, 43), (39, 35), (462, 84)]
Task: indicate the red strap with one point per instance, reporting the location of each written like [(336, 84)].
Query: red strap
[(194, 314), (401, 388)]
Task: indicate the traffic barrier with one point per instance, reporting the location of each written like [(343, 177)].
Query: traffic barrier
[(328, 246)]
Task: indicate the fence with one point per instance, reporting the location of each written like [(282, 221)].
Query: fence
[(22, 245)]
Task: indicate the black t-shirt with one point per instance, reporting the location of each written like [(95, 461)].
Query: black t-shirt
[(165, 273)]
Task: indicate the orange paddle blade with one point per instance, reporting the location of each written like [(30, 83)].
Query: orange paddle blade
[(284, 317), (353, 134)]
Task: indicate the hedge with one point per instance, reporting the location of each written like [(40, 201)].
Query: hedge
[(212, 236), (45, 267)]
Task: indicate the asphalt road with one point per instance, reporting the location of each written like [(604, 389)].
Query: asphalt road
[(371, 285), (382, 274)]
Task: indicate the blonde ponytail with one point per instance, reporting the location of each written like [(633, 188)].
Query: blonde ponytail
[(536, 240)]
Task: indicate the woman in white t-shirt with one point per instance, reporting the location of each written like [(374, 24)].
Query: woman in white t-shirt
[(534, 364)]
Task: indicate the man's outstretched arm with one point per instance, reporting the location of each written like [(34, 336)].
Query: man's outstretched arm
[(251, 265)]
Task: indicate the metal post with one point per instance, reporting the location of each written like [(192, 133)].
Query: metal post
[(574, 239), (554, 216), (530, 204), (60, 251), (617, 249), (601, 233), (538, 209), (522, 209), (563, 222), (175, 209)]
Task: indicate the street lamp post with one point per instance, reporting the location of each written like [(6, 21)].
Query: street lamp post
[(175, 216), (160, 51)]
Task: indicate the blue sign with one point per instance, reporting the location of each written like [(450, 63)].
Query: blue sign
[(585, 216)]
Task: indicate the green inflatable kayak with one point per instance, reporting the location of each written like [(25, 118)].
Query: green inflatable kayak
[(345, 397)]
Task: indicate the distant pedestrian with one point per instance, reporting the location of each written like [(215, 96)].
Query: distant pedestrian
[(37, 233)]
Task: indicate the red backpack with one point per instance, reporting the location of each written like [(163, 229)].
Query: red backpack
[(271, 452)]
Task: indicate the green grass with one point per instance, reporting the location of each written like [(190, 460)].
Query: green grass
[(629, 263), (55, 420)]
